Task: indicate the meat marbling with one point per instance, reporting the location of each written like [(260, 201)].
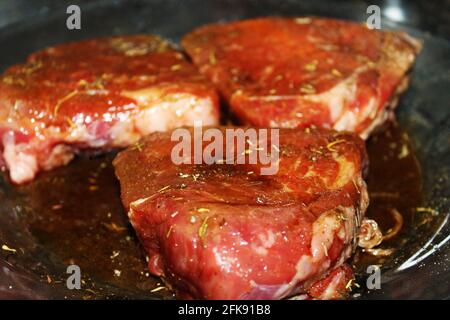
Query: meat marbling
[(97, 94), (297, 72), (223, 231)]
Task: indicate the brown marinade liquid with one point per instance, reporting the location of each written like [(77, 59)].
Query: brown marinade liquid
[(78, 215)]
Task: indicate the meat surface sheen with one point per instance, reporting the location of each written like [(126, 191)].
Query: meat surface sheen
[(223, 231), (97, 94), (297, 72)]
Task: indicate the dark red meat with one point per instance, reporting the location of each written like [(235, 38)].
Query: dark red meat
[(297, 72), (226, 232), (102, 93)]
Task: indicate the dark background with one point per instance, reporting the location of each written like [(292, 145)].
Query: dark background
[(428, 15)]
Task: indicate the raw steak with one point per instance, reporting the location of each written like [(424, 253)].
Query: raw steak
[(96, 94), (223, 231), (297, 72)]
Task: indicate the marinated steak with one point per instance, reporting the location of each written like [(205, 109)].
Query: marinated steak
[(297, 72), (224, 231), (96, 94)]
